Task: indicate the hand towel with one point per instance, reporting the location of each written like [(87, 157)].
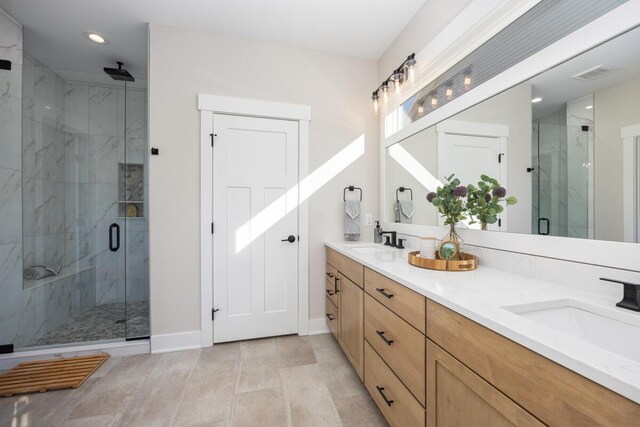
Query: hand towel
[(40, 271), (405, 210), (352, 220)]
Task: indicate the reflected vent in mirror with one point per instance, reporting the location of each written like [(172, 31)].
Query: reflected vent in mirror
[(593, 73)]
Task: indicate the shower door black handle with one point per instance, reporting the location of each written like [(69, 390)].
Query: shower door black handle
[(112, 247), (548, 226)]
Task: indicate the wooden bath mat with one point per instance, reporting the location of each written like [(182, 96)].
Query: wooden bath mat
[(52, 374)]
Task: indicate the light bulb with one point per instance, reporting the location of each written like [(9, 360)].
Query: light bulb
[(449, 93), (467, 81), (410, 64), (421, 109), (376, 103), (434, 101), (385, 92)]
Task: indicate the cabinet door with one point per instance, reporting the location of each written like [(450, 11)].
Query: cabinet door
[(332, 317), (351, 313), (457, 397)]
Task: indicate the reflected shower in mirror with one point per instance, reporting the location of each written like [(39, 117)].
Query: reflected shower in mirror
[(566, 143)]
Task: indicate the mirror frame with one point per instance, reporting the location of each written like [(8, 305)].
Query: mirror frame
[(620, 255)]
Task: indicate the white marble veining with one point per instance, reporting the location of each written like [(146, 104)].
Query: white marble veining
[(480, 296)]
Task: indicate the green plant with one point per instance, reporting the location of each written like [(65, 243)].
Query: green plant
[(449, 200), (484, 201)]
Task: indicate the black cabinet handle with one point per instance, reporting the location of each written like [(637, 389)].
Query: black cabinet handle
[(330, 293), (331, 319), (548, 226), (381, 290), (330, 275), (290, 239), (381, 391), (381, 335), (335, 285), (112, 247)]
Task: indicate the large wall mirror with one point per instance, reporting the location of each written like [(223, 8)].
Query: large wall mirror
[(565, 143)]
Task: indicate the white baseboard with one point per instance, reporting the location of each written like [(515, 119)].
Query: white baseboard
[(175, 342), (318, 326)]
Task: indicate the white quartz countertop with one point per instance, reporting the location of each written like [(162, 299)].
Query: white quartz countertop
[(480, 295)]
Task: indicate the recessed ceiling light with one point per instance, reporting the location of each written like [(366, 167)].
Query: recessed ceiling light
[(96, 37), (537, 99), (588, 107)]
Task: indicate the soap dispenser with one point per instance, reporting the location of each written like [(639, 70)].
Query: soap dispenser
[(377, 237)]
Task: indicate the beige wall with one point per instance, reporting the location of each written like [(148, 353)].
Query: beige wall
[(184, 63), (432, 18), (615, 108)]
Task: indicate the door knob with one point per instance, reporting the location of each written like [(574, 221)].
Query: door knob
[(290, 239)]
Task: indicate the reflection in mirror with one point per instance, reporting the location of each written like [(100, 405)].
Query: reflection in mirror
[(566, 143)]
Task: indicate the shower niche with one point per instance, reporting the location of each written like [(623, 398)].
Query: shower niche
[(130, 190)]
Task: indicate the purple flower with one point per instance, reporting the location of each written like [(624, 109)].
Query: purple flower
[(499, 192), (431, 196), (460, 191), (487, 197)]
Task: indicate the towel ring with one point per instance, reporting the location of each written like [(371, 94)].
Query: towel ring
[(402, 190), (351, 188)]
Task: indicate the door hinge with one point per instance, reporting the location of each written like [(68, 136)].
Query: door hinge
[(500, 157), (211, 228), (213, 135), (213, 313)]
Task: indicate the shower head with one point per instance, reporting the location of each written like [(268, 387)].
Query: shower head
[(119, 73)]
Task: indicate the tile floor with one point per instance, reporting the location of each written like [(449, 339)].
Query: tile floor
[(285, 381)]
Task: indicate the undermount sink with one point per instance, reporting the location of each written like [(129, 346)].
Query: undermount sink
[(609, 329), (365, 248)]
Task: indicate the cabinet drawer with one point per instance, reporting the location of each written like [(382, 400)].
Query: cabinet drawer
[(409, 305), (346, 266), (330, 284), (399, 344), (396, 403), (332, 317)]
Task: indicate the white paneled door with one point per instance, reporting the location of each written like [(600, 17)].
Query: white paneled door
[(255, 267)]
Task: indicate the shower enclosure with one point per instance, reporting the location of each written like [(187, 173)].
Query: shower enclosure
[(73, 187), (562, 151)]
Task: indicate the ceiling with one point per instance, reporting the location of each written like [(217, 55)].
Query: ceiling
[(556, 87), (53, 30)]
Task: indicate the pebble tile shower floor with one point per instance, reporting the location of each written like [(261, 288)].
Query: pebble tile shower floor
[(284, 381), (103, 322)]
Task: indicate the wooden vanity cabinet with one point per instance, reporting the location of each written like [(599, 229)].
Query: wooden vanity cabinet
[(345, 303)]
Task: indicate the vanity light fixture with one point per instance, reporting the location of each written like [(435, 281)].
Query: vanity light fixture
[(449, 92), (536, 99), (96, 37), (405, 72), (434, 100), (467, 81)]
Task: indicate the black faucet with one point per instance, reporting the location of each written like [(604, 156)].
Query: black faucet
[(393, 238), (631, 299)]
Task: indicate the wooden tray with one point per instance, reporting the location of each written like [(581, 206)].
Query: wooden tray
[(466, 263)]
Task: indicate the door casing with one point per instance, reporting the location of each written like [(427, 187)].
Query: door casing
[(208, 105)]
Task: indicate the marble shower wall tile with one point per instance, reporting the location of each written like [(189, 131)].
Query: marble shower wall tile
[(78, 153), (76, 108), (103, 111), (10, 40), (10, 205), (10, 117)]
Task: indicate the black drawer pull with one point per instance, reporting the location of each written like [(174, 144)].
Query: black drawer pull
[(335, 285), (381, 391), (330, 275), (381, 290), (331, 319), (381, 335), (330, 293)]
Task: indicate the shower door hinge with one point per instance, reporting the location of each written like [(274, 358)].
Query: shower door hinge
[(499, 222), (213, 135), (500, 157), (213, 313)]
